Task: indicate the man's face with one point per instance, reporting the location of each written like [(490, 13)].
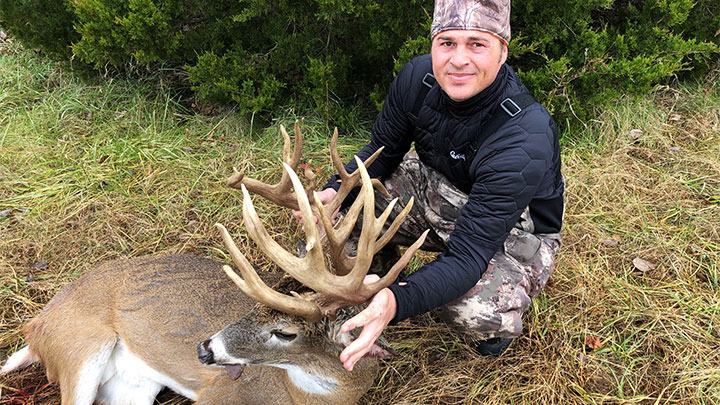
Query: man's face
[(465, 62)]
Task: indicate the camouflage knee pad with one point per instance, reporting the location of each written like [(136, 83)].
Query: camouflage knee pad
[(517, 273)]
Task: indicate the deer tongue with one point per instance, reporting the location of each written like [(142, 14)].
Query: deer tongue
[(234, 371)]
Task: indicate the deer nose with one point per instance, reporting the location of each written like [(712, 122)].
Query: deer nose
[(204, 353)]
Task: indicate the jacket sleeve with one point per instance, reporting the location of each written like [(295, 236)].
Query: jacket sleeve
[(392, 129), (507, 174)]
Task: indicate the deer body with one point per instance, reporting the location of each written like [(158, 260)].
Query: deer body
[(128, 328), (125, 330)]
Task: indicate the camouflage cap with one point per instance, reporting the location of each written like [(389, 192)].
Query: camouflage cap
[(492, 16)]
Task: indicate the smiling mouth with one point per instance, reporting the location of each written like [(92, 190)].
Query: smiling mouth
[(459, 76)]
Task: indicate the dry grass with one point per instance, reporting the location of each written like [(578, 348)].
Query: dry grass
[(98, 170)]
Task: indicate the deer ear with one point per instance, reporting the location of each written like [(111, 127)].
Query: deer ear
[(381, 349)]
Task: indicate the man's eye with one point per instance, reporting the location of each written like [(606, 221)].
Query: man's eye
[(478, 45)]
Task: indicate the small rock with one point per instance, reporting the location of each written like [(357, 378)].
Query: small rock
[(3, 35), (675, 117), (582, 359), (674, 150)]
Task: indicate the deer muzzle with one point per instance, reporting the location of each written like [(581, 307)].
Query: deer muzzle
[(205, 353), (206, 356)]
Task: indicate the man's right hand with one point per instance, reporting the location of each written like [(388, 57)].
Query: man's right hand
[(325, 197)]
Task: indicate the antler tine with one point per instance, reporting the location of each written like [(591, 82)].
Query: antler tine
[(349, 181), (255, 288), (399, 219), (337, 236), (278, 193)]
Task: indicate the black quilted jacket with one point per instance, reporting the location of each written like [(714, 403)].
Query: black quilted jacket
[(518, 166)]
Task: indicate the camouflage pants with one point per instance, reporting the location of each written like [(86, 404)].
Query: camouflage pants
[(517, 272)]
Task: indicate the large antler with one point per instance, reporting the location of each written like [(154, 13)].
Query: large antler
[(281, 194), (338, 290)]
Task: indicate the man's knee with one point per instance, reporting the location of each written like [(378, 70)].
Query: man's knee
[(495, 305)]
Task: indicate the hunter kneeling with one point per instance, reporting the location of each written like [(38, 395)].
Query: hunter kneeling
[(486, 181)]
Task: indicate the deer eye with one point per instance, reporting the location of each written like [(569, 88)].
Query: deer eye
[(284, 336)]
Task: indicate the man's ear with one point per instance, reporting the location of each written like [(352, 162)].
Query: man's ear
[(503, 52)]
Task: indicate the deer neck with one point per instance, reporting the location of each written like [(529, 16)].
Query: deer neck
[(330, 384)]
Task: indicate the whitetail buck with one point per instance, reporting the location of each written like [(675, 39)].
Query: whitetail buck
[(128, 328)]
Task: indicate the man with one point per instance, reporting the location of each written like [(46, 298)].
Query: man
[(493, 201)]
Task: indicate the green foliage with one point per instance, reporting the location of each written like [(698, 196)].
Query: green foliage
[(335, 56), (47, 25), (580, 55)]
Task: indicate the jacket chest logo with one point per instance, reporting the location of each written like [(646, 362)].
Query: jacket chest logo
[(457, 156)]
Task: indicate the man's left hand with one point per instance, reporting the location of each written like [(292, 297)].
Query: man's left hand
[(373, 320)]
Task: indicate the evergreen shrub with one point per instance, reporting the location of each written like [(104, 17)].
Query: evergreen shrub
[(335, 55)]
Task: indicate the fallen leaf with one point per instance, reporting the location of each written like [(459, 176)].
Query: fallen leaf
[(675, 117), (610, 242), (635, 134), (643, 265), (717, 32), (582, 359), (674, 150), (593, 342)]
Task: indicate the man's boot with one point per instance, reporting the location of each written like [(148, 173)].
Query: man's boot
[(492, 347)]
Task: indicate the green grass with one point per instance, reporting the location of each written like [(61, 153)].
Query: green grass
[(99, 168)]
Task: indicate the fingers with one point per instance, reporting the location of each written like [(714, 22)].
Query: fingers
[(358, 348), (371, 278), (373, 320), (356, 321), (298, 215)]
